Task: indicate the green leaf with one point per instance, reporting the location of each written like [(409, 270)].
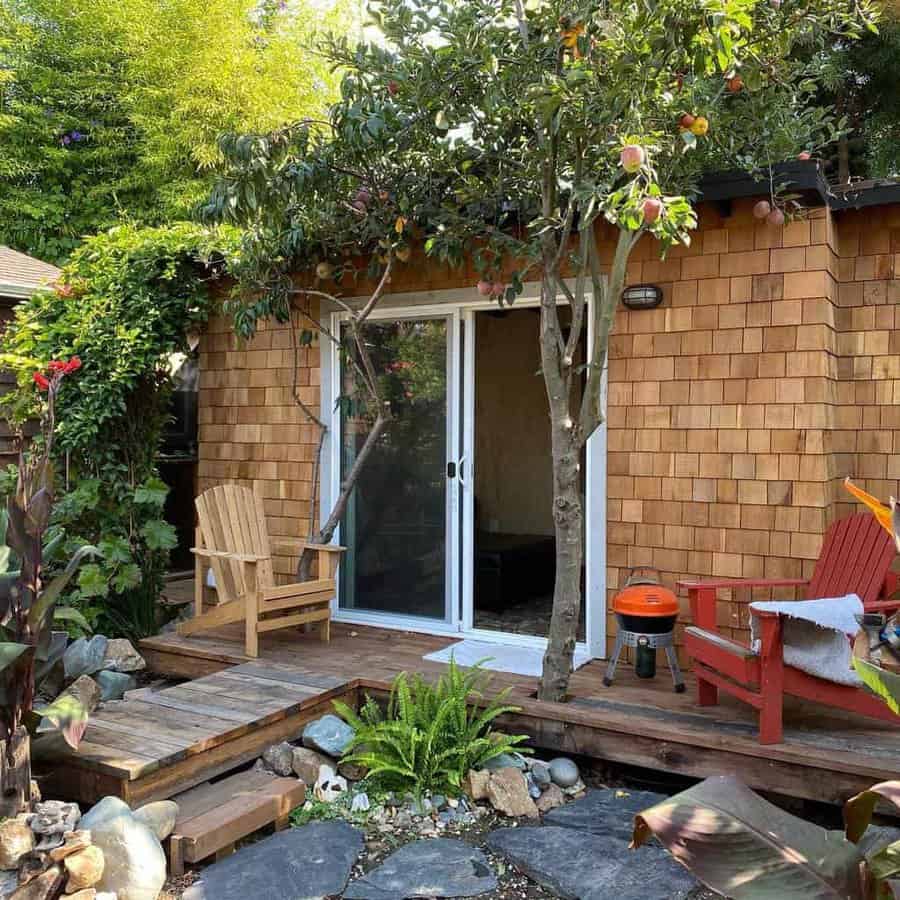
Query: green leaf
[(159, 535), (152, 492), (746, 848), (92, 581), (11, 652), (51, 593), (67, 714), (70, 614), (126, 577), (115, 550)]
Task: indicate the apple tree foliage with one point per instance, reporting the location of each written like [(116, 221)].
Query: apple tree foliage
[(496, 129)]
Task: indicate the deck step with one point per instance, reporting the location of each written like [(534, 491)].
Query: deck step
[(212, 817)]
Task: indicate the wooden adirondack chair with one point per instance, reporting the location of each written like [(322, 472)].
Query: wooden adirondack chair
[(856, 555), (233, 540)]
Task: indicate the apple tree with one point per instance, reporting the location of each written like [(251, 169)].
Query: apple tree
[(507, 130)]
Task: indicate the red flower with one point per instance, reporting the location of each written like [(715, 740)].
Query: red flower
[(73, 365), (56, 365), (41, 381)]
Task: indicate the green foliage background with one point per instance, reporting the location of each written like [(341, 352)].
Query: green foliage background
[(127, 300), (112, 109)]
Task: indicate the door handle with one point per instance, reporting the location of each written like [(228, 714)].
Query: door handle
[(462, 461)]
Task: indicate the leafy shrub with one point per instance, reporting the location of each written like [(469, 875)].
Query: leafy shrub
[(123, 306), (431, 734)]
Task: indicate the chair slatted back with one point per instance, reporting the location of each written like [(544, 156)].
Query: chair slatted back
[(232, 520), (855, 559)]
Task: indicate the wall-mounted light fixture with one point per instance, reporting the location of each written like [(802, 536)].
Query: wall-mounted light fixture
[(642, 296)]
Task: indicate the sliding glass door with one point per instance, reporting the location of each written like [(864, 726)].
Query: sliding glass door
[(397, 526)]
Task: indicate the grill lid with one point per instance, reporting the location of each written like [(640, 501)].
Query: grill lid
[(647, 600)]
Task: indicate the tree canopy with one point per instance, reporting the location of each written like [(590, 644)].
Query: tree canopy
[(112, 109), (506, 129)]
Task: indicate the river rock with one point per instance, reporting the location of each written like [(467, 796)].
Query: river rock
[(51, 820), (120, 656), (578, 864), (563, 772), (113, 685), (352, 771), (476, 784), (507, 792), (84, 868), (279, 758), (16, 840), (540, 772), (75, 841), (9, 881), (329, 735), (84, 656), (104, 811), (135, 867), (306, 863), (552, 797), (159, 817), (45, 886), (86, 691), (441, 867), (504, 761), (306, 764)]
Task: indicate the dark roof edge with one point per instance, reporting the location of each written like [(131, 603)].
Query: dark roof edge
[(802, 177)]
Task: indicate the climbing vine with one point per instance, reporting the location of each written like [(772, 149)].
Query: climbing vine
[(125, 306)]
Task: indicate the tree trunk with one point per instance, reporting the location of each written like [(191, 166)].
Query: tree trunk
[(568, 516), (15, 774)]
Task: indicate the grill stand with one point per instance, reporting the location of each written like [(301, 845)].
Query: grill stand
[(652, 641)]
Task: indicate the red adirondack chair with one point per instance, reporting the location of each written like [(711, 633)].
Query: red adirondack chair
[(855, 559)]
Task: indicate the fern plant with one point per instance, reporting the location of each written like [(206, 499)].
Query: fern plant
[(431, 734)]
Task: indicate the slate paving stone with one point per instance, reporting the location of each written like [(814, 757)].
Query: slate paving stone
[(580, 865), (427, 868), (305, 863), (606, 811)]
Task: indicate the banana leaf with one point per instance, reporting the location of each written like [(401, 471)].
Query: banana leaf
[(11, 652), (740, 845), (880, 682), (858, 810), (67, 714)]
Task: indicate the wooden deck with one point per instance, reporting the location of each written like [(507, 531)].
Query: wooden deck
[(158, 743), (825, 756)]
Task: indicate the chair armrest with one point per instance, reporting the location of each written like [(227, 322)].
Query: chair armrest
[(724, 584), (236, 557), (702, 595)]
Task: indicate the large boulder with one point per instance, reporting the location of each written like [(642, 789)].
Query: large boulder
[(121, 656), (84, 656), (159, 817), (329, 735), (102, 812), (135, 865)]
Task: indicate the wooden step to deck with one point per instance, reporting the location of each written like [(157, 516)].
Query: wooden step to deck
[(158, 743), (213, 817)]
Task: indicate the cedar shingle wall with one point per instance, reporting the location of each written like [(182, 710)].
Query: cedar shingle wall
[(770, 371)]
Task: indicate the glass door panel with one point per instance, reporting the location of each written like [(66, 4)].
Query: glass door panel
[(395, 525)]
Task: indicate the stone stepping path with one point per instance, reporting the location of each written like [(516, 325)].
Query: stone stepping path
[(582, 851), (305, 863), (441, 867)]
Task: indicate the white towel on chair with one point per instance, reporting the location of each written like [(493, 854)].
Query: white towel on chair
[(818, 635)]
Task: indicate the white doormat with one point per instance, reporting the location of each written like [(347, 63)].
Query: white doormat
[(500, 657)]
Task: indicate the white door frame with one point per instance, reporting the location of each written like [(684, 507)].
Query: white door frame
[(460, 305)]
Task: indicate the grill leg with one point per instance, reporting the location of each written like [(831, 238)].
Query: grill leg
[(611, 668), (677, 677)]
